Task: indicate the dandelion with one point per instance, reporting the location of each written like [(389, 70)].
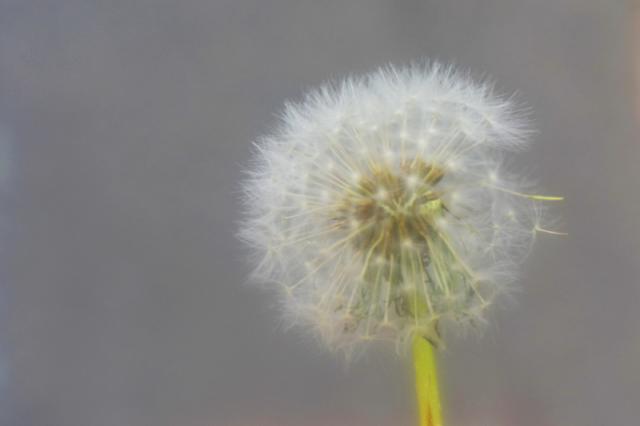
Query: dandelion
[(383, 209)]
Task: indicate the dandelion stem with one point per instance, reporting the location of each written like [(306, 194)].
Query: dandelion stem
[(427, 391)]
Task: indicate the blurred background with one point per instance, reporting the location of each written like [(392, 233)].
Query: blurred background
[(124, 129)]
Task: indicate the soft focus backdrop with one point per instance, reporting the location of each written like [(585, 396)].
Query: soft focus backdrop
[(124, 129)]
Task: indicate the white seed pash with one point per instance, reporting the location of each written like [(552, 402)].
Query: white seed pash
[(381, 207)]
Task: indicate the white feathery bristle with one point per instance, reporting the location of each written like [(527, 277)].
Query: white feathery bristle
[(381, 207)]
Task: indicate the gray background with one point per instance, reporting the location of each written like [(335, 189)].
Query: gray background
[(124, 127)]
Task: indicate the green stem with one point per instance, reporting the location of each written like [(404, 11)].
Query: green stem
[(427, 390)]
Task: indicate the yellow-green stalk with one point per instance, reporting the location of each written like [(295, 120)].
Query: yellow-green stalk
[(427, 389)]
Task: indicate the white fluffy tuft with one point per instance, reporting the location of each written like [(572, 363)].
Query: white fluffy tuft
[(382, 208)]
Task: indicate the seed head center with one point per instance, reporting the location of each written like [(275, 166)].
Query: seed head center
[(391, 207)]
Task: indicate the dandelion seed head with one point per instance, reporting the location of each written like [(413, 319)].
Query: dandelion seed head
[(383, 206)]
